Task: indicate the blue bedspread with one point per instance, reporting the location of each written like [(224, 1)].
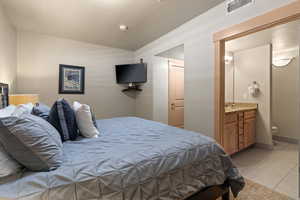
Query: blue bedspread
[(133, 159)]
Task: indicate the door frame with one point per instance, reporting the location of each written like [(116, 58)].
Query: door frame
[(278, 16), (178, 63)]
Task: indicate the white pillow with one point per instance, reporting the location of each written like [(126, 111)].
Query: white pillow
[(84, 120), (76, 105), (23, 109), (6, 112)]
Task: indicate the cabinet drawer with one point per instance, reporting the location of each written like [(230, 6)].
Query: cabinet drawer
[(230, 118), (250, 114)]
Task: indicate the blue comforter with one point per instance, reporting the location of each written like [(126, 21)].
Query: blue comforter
[(133, 159)]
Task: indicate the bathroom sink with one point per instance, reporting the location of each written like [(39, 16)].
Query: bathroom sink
[(235, 107)]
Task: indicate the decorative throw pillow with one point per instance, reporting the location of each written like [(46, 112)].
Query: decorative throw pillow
[(77, 105), (41, 110), (32, 141), (84, 120), (62, 117)]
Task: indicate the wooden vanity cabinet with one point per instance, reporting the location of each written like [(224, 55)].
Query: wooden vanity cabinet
[(230, 138), (241, 127), (250, 128), (239, 131)]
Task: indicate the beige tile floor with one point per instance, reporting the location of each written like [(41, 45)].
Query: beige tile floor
[(277, 169)]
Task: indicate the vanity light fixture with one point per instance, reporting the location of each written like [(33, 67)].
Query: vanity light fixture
[(123, 27), (282, 62)]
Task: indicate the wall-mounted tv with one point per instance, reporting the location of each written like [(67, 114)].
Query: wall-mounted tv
[(131, 73)]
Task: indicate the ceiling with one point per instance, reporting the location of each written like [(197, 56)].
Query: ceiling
[(281, 37), (98, 21)]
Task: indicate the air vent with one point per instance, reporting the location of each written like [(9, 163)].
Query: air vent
[(233, 5)]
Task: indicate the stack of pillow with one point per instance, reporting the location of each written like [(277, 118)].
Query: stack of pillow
[(32, 136)]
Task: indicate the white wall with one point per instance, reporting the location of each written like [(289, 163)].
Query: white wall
[(285, 96), (39, 57), (255, 65), (8, 51), (196, 35), (161, 89), (144, 100)]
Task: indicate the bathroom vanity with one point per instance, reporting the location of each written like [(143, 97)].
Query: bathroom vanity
[(240, 127)]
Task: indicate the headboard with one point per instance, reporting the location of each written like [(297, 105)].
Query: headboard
[(4, 91)]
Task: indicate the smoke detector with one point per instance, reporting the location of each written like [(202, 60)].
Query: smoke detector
[(232, 5)]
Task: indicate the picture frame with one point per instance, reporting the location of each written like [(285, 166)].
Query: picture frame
[(71, 79)]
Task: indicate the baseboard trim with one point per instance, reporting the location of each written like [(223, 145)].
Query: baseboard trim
[(264, 146), (285, 139)]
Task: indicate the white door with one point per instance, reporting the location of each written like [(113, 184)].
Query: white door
[(176, 93)]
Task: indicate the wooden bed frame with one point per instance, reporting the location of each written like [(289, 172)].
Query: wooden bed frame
[(213, 193), (4, 91)]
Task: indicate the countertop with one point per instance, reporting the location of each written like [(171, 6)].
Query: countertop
[(236, 107)]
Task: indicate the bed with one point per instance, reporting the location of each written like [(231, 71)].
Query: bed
[(133, 159)]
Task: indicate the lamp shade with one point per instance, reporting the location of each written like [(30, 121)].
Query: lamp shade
[(17, 99)]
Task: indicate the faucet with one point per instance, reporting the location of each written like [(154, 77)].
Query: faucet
[(230, 105)]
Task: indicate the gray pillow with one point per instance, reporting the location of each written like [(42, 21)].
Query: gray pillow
[(32, 141), (8, 166)]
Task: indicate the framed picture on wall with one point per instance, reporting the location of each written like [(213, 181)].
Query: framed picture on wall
[(71, 79)]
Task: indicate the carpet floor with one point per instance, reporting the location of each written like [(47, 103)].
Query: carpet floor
[(254, 191)]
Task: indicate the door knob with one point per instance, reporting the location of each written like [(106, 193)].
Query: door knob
[(173, 106)]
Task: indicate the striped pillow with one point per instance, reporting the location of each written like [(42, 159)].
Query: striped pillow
[(62, 117)]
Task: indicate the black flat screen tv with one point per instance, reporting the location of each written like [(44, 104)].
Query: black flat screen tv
[(131, 73)]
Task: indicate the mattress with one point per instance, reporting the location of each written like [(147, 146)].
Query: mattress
[(133, 159)]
